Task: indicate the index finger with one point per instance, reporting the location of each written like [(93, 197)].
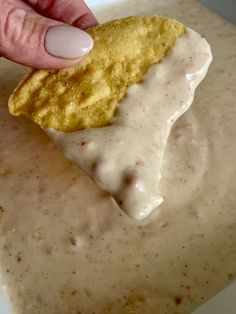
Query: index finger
[(73, 12)]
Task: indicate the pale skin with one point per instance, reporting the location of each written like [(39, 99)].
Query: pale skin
[(24, 26)]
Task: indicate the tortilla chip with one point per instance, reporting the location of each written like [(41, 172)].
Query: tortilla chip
[(86, 95)]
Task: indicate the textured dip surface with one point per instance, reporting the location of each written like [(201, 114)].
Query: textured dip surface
[(67, 248)]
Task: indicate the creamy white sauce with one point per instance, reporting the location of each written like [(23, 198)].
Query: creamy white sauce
[(125, 158), (66, 247)]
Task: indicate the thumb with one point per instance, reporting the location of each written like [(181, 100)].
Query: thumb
[(36, 41)]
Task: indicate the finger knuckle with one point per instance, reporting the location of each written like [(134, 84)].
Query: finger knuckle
[(11, 25)]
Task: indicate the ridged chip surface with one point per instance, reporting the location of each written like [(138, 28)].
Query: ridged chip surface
[(86, 95)]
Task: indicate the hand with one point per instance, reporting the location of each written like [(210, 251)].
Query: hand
[(45, 33)]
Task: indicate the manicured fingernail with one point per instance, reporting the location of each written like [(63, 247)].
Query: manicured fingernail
[(67, 42)]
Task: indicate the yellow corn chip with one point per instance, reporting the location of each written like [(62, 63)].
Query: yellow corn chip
[(86, 95)]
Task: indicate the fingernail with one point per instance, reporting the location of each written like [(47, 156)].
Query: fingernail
[(67, 42)]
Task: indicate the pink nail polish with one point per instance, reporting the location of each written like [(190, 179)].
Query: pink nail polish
[(67, 42)]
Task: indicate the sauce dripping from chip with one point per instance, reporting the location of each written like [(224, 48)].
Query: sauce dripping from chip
[(126, 158)]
